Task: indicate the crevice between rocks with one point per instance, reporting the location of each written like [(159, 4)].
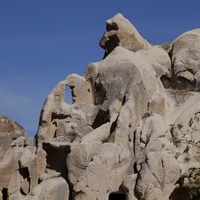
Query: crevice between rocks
[(5, 194)]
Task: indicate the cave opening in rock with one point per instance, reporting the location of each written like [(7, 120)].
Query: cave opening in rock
[(117, 196), (56, 158), (24, 172), (5, 194), (101, 118), (181, 193)]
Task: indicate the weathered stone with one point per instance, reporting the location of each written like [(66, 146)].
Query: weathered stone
[(108, 167), (132, 131), (60, 119), (51, 189), (129, 186), (8, 170), (128, 36), (159, 59), (9, 131), (82, 153), (185, 58), (81, 89), (158, 176)]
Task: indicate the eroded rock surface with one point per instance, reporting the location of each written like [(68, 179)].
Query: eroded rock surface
[(120, 32), (9, 131), (132, 131), (185, 59)]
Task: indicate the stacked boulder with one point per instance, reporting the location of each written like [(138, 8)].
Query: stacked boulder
[(131, 132)]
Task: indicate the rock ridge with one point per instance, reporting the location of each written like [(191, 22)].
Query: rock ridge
[(131, 132)]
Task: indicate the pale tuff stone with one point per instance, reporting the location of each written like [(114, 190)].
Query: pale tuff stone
[(52, 189), (185, 59), (132, 131), (159, 59), (9, 130), (129, 37)]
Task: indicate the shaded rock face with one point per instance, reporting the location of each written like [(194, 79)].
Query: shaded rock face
[(132, 131)]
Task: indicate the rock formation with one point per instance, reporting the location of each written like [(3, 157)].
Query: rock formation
[(9, 131), (131, 133)]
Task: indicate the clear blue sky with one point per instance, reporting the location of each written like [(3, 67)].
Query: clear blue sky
[(43, 41)]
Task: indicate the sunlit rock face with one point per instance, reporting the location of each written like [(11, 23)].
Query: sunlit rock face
[(185, 60), (9, 131), (120, 32), (131, 132)]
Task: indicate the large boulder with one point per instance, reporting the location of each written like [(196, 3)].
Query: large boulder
[(51, 189), (120, 32), (185, 55), (159, 59)]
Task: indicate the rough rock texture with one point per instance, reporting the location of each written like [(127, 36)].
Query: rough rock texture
[(132, 131), (120, 32), (185, 59), (9, 131)]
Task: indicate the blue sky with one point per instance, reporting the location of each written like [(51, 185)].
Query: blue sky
[(43, 41)]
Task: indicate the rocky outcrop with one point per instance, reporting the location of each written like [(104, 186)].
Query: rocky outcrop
[(185, 60), (132, 131), (120, 32), (9, 131)]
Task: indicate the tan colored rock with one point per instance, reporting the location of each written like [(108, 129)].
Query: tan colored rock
[(57, 117), (158, 176), (126, 103), (181, 100), (112, 163), (67, 130), (20, 168), (186, 138), (120, 32), (8, 170), (9, 131), (26, 158), (185, 58), (187, 75), (159, 59), (82, 153), (52, 189), (81, 89), (53, 107), (125, 136), (129, 185)]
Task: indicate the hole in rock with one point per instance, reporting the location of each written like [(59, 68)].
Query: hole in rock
[(56, 158), (124, 100), (58, 116), (101, 118), (117, 196), (24, 172), (135, 168), (100, 93), (113, 126), (112, 26), (5, 194), (166, 81), (68, 95)]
